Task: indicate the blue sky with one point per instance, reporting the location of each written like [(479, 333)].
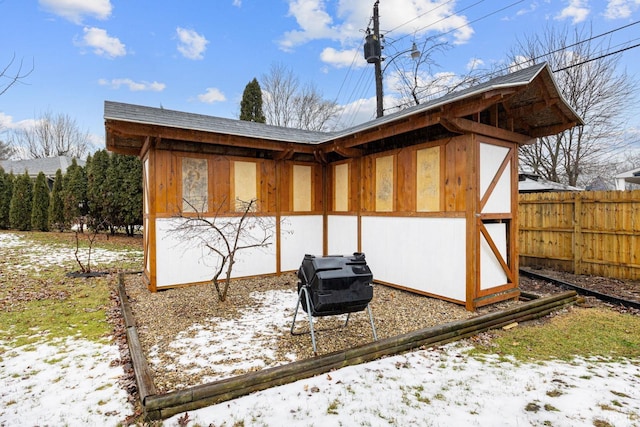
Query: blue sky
[(198, 55)]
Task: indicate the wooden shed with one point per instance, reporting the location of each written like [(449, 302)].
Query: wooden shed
[(429, 194)]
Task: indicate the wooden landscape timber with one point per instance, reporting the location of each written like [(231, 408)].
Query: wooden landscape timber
[(162, 406)]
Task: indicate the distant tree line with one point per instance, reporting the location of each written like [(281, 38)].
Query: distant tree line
[(105, 194)]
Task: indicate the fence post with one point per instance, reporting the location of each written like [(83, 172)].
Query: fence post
[(577, 233)]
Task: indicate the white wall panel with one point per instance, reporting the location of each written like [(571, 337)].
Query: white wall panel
[(425, 254), (301, 234), (342, 234), (180, 262), (491, 157), (491, 272)]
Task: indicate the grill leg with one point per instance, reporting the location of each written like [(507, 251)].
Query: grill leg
[(373, 327), (309, 310)]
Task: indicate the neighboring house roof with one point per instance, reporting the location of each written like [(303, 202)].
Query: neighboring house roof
[(47, 165), (539, 110), (532, 183), (631, 177)]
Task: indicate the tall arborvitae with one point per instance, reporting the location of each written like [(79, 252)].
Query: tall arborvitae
[(75, 194), (5, 200), (98, 196), (131, 192), (21, 203), (56, 207), (251, 104), (40, 205), (4, 223)]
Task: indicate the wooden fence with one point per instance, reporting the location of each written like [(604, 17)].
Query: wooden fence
[(593, 232)]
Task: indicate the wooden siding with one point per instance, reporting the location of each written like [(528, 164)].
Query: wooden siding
[(451, 181), (595, 233), (166, 182)]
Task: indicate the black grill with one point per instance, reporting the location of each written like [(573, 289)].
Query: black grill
[(335, 284)]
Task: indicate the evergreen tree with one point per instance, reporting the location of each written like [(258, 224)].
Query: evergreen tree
[(6, 191), (251, 104), (75, 194), (40, 206), (21, 203), (131, 194), (117, 193), (56, 207), (98, 195)]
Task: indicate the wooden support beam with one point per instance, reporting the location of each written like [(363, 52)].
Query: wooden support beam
[(462, 126)]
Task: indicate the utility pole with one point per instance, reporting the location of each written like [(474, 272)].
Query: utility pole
[(378, 62), (373, 55)]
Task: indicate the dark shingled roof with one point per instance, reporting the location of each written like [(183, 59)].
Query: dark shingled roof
[(176, 119)]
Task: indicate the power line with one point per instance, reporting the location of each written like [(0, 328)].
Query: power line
[(421, 15), (501, 70), (596, 58)]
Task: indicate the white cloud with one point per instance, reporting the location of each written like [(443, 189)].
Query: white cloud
[(191, 44), (133, 85), (212, 95), (343, 58), (343, 21), (621, 8), (76, 10), (7, 123), (102, 43), (577, 11), (237, 3)]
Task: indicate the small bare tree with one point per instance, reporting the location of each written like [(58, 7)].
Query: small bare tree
[(94, 227), (224, 237)]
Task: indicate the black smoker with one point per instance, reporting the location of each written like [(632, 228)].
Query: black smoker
[(334, 285)]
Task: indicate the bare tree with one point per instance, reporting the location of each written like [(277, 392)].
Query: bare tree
[(286, 103), (224, 237), (12, 74), (415, 75), (6, 151), (51, 136), (590, 79)]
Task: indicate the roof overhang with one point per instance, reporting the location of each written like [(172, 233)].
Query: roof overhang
[(518, 107)]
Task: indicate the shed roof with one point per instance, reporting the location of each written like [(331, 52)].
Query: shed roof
[(530, 96)]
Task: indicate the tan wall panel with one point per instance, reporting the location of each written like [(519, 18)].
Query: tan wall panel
[(341, 187), (244, 183), (195, 184), (384, 183), (302, 188), (428, 180)]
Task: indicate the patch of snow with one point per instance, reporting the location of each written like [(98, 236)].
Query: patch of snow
[(252, 335), (29, 256), (444, 387), (69, 382)]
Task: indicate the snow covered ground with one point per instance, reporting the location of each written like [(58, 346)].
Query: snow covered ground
[(72, 382)]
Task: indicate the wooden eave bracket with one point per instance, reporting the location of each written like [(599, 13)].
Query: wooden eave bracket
[(552, 129), (348, 152), (462, 126), (479, 104), (284, 155)]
